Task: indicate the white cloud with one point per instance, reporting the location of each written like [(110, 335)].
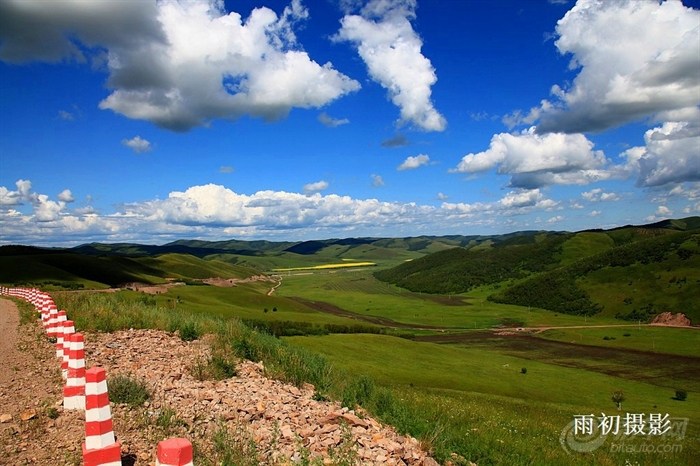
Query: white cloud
[(44, 209), (555, 219), (331, 122), (662, 210), (413, 162), (442, 196), (535, 160), (66, 196), (598, 195), (391, 49), (216, 212), (137, 144), (179, 63), (315, 187), (671, 154), (526, 198), (226, 169), (636, 58), (595, 213), (377, 180)]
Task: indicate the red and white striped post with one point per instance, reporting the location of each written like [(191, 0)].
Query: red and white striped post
[(74, 390), (174, 452), (60, 332), (53, 322), (100, 447), (68, 330)]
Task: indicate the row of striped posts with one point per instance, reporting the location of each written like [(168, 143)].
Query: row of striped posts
[(86, 390)]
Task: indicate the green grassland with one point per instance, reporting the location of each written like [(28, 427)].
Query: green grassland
[(678, 341), (505, 403), (452, 380)]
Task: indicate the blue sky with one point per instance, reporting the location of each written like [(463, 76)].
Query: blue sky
[(153, 121)]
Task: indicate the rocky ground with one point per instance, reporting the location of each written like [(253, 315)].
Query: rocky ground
[(269, 421)]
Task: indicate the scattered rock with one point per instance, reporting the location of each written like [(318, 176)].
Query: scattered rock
[(668, 318), (27, 415)]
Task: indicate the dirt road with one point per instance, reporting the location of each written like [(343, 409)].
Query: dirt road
[(9, 321), (33, 427)]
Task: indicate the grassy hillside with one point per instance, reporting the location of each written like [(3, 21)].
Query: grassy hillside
[(458, 270), (630, 273), (67, 269), (634, 281)]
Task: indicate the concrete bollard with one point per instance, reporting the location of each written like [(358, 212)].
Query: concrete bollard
[(100, 447), (74, 390), (60, 332), (174, 452), (68, 330)]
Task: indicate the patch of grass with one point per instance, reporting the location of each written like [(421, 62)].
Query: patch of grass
[(189, 331), (216, 367), (128, 390), (234, 448)]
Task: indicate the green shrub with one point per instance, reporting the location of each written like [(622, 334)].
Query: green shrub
[(189, 331), (237, 449), (523, 370), (127, 390), (681, 395)]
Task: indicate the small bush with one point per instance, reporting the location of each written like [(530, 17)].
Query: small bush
[(52, 412), (189, 331), (607, 338), (235, 448), (681, 395), (626, 334), (358, 392), (523, 370), (215, 367), (127, 390)]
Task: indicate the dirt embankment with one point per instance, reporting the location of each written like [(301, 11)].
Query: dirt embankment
[(285, 423), (670, 319)]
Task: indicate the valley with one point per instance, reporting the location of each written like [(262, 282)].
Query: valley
[(458, 341)]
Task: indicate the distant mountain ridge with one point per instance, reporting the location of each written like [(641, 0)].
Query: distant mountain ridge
[(630, 272)]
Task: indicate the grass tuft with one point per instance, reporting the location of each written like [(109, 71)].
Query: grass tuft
[(125, 389)]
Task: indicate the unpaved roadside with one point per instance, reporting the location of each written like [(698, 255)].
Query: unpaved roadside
[(9, 321), (34, 429)]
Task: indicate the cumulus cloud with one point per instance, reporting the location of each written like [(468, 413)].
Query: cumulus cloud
[(391, 49), (44, 208), (535, 160), (216, 212), (671, 154), (137, 144), (66, 196), (635, 59), (662, 210), (377, 180), (413, 162), (598, 195), (442, 197), (331, 122), (315, 187), (177, 63), (555, 219), (526, 198)]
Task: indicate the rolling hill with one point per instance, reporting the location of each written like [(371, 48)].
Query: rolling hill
[(631, 272)]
